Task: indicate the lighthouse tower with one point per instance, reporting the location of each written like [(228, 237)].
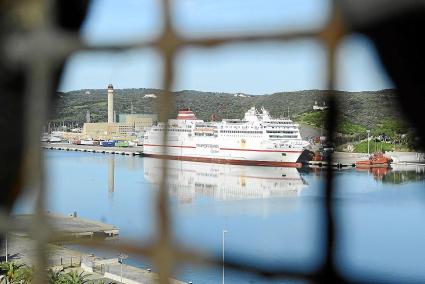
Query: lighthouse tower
[(111, 104)]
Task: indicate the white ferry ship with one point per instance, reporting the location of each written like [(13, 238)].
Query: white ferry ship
[(258, 139)]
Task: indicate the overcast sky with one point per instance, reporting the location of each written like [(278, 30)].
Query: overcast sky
[(250, 68)]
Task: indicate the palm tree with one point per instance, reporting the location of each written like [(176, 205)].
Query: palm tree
[(13, 272), (55, 276), (24, 275), (73, 277)]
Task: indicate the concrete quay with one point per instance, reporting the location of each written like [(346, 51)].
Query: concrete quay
[(130, 274), (407, 157), (340, 159), (69, 226), (24, 250), (132, 151)]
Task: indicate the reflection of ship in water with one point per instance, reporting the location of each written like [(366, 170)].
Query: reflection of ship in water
[(187, 180), (398, 174)]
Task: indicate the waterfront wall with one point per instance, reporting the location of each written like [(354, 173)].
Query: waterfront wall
[(118, 279), (407, 157)]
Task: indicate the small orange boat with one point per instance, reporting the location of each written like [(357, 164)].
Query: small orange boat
[(376, 160)]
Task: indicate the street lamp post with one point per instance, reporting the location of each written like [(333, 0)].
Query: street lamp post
[(6, 246), (121, 257), (395, 139), (368, 131), (222, 247)]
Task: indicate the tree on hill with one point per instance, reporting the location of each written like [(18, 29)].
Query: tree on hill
[(375, 110)]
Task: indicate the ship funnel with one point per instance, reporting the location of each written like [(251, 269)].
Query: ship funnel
[(186, 114)]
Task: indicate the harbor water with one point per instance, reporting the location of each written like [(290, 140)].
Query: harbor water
[(272, 215)]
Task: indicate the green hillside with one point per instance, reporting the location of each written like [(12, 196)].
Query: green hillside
[(359, 110)]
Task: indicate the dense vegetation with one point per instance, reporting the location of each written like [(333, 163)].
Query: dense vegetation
[(358, 110), (375, 146), (13, 272)]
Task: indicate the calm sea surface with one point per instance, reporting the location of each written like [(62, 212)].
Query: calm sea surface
[(272, 215)]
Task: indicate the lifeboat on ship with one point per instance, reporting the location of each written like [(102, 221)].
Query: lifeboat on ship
[(376, 160)]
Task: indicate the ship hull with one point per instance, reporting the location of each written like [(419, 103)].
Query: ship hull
[(226, 161), (254, 157)]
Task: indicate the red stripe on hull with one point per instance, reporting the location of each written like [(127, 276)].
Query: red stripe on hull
[(227, 149), (255, 150), (186, 111), (155, 145), (226, 161)]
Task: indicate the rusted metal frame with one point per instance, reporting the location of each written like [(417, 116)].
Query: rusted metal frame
[(23, 54), (39, 84), (330, 37), (168, 45), (36, 109), (163, 253), (174, 41)]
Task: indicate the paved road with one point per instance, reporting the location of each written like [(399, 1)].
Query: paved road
[(137, 274)]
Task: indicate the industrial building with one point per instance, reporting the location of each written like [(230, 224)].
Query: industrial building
[(127, 127), (139, 120)]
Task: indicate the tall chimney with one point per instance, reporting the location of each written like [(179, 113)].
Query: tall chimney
[(110, 103)]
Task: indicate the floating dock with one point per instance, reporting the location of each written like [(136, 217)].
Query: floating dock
[(131, 151), (320, 164), (340, 160)]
